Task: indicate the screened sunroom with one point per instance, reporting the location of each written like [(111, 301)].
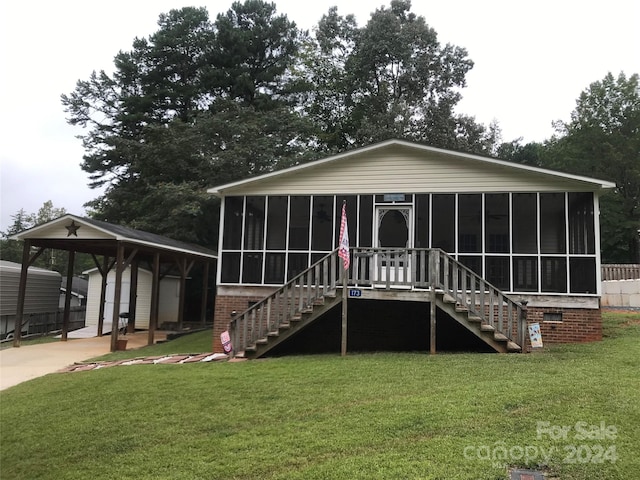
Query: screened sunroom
[(535, 242)]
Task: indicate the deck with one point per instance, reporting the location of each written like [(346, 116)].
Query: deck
[(428, 275)]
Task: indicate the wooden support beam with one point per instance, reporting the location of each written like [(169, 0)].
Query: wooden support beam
[(67, 297), (116, 296), (155, 295), (205, 291), (184, 268), (22, 290), (129, 259), (432, 322), (133, 296), (27, 261), (183, 281), (104, 272), (434, 277)]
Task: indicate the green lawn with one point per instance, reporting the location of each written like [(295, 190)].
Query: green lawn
[(368, 416)]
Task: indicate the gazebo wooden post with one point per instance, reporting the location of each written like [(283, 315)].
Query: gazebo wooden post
[(133, 296), (155, 290), (104, 271), (183, 277), (67, 297), (184, 271), (116, 296), (205, 288), (22, 290)]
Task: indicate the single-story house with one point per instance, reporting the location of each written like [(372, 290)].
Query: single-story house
[(469, 243)]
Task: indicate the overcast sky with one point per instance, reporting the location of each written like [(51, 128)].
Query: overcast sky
[(532, 60)]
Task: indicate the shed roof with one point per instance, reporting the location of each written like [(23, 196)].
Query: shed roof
[(420, 154)]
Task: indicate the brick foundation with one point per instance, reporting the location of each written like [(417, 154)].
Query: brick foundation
[(577, 325), (226, 305)]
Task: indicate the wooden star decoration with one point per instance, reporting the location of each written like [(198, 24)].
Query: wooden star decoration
[(72, 229)]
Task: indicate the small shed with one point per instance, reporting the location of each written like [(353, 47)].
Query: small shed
[(168, 306)]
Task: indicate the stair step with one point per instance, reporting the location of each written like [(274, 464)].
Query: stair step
[(513, 347), (295, 318), (500, 337), (461, 309), (448, 299), (487, 328), (284, 326), (318, 301), (307, 310), (250, 348), (262, 341), (240, 355), (273, 334), (474, 318), (330, 294)]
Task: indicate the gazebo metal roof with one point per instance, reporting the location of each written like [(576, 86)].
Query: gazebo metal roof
[(86, 235)]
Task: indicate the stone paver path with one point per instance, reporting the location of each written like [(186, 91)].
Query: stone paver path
[(157, 360)]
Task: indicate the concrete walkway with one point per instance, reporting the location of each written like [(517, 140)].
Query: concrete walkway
[(18, 365)]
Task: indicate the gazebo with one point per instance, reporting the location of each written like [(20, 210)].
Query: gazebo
[(120, 247)]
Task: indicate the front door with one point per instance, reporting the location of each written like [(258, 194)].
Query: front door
[(394, 236)]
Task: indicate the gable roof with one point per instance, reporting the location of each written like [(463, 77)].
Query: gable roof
[(355, 163), (71, 232)]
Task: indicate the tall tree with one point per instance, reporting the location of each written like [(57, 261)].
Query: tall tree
[(180, 109), (602, 140), (515, 151), (11, 250), (390, 78)]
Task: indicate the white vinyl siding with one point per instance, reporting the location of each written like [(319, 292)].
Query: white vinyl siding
[(406, 171)]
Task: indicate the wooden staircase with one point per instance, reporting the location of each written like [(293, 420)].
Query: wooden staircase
[(481, 308), (476, 324), (288, 310)]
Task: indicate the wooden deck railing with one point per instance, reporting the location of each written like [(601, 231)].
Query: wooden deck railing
[(426, 268), (295, 297), (481, 298), (621, 271), (415, 269)]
